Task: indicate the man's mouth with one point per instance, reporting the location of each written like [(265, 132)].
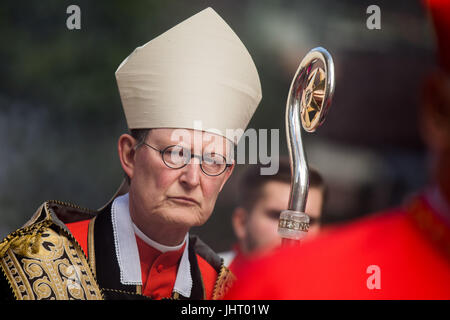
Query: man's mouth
[(185, 200)]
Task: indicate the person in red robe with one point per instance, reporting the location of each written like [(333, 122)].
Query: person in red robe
[(403, 253)]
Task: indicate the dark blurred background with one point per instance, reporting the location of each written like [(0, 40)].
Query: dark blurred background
[(61, 116)]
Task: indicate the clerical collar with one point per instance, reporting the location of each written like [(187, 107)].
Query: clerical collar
[(128, 254), (158, 246)]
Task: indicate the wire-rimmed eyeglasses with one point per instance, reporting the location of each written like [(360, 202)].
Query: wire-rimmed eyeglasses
[(177, 157)]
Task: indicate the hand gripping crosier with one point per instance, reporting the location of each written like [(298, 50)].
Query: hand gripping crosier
[(308, 101)]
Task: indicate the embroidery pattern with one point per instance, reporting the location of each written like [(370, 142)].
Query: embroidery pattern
[(224, 282), (49, 266)]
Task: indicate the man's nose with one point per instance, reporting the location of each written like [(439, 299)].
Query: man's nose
[(191, 174)]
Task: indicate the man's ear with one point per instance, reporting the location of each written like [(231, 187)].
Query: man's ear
[(227, 174), (127, 152), (239, 219)]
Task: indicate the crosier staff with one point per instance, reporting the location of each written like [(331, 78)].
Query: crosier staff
[(308, 101)]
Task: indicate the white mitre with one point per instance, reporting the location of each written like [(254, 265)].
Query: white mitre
[(198, 71)]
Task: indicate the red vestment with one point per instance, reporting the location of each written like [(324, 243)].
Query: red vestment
[(400, 254)]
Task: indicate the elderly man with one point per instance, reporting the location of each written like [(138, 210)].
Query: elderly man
[(196, 75)]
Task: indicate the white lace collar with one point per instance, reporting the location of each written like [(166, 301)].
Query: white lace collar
[(127, 251)]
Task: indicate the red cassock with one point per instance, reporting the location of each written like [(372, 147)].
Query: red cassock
[(400, 254)]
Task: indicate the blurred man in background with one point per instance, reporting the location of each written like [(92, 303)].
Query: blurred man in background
[(400, 254), (261, 198)]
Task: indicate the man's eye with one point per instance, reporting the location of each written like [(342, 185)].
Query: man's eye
[(213, 158), (207, 159), (175, 155)]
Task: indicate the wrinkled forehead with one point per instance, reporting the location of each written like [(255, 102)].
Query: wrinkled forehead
[(190, 138)]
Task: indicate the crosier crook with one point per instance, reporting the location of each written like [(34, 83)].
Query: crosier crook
[(308, 101)]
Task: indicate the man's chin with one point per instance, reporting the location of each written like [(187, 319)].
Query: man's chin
[(182, 217)]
